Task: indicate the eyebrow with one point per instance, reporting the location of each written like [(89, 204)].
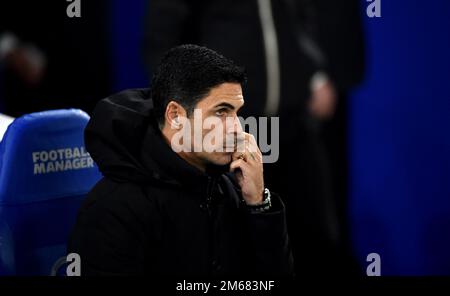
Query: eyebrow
[(225, 105)]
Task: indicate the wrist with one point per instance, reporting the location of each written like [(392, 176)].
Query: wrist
[(264, 204), (255, 199)]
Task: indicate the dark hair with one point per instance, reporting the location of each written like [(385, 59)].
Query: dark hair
[(186, 74)]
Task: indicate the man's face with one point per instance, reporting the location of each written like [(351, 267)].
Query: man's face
[(218, 116)]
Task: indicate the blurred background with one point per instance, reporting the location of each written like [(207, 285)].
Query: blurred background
[(360, 89)]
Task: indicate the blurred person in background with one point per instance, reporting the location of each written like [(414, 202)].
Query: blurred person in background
[(339, 34), (49, 60), (300, 56)]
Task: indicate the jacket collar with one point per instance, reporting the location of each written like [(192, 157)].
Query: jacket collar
[(168, 166)]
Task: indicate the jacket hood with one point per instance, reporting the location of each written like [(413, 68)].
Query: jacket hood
[(116, 131)]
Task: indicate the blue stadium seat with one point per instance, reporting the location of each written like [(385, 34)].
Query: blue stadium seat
[(45, 172)]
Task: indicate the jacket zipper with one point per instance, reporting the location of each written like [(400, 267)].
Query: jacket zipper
[(209, 190)]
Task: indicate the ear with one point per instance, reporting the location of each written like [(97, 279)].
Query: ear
[(173, 113)]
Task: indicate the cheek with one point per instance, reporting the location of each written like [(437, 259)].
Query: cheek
[(214, 137)]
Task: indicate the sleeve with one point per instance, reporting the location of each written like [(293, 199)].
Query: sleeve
[(271, 252), (340, 34), (113, 238), (8, 38)]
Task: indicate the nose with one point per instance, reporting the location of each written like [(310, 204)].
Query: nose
[(235, 127)]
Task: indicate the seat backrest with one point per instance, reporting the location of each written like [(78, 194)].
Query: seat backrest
[(45, 172)]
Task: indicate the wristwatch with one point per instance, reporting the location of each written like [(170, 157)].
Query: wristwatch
[(265, 205)]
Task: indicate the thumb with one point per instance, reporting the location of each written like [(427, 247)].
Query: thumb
[(239, 177)]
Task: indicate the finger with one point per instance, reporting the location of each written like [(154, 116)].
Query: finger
[(239, 177), (238, 164), (246, 156), (248, 150), (241, 147), (253, 148), (241, 170), (239, 155), (240, 142), (253, 156), (253, 145)]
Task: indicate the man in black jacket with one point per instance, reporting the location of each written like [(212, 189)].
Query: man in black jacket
[(297, 53), (157, 211)]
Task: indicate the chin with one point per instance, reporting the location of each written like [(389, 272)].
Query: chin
[(221, 158)]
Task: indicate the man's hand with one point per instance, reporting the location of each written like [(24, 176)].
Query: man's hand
[(248, 167), (323, 100), (29, 63)]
